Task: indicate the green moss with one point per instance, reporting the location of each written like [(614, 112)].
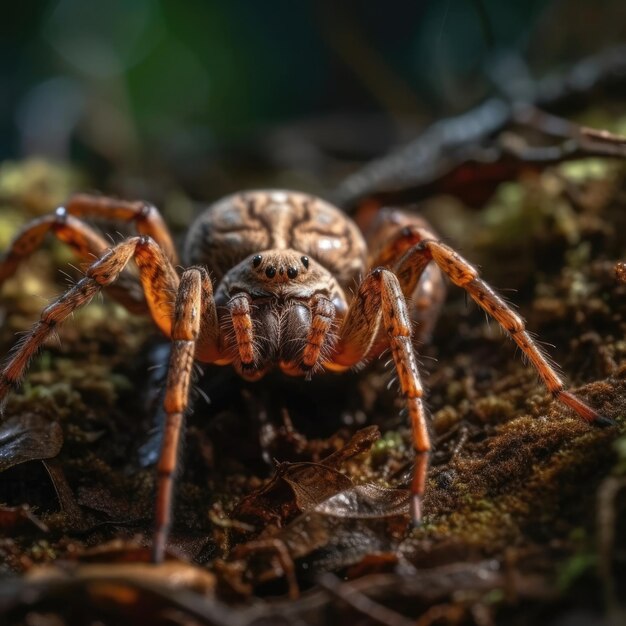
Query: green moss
[(38, 185), (10, 221), (389, 442), (585, 169)]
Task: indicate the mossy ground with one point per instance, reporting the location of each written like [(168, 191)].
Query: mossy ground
[(516, 477)]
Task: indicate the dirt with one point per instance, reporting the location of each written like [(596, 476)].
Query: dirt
[(292, 502)]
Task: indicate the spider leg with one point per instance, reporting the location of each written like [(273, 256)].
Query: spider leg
[(145, 216), (239, 309), (392, 233), (389, 237), (83, 239), (194, 312), (322, 319), (157, 276), (465, 275), (380, 295)]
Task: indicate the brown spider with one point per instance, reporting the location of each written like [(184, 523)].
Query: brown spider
[(295, 287)]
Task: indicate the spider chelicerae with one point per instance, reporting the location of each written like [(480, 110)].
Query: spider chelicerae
[(273, 278)]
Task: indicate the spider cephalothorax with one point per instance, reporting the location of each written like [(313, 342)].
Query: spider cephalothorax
[(274, 279), (281, 291)]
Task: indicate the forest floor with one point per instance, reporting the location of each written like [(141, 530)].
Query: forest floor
[(291, 506)]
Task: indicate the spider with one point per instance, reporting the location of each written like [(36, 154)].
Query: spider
[(275, 279)]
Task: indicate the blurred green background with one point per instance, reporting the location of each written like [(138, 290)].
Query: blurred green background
[(185, 91)]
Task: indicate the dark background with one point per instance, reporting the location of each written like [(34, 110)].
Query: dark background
[(178, 92)]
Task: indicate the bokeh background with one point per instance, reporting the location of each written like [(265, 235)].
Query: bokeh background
[(147, 95), (181, 102)]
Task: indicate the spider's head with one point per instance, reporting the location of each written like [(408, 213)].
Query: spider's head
[(280, 267), (279, 275), (280, 287)]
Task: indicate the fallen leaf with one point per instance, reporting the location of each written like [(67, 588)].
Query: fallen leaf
[(366, 502), (28, 437), (313, 483), (300, 487)]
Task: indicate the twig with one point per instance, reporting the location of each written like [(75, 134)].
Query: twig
[(361, 603)]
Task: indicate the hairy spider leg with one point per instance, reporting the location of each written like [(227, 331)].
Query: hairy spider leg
[(194, 325), (465, 275), (380, 291), (390, 236), (380, 296), (158, 278), (192, 320), (83, 240), (146, 217), (322, 319)]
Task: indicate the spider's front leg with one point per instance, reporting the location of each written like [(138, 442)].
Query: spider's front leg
[(380, 295), (158, 278), (192, 320), (194, 330)]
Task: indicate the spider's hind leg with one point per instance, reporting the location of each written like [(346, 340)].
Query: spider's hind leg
[(390, 236), (145, 216), (83, 240), (65, 224)]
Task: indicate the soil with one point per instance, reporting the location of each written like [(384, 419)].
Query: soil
[(291, 504)]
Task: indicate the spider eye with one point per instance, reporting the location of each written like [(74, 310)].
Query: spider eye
[(256, 261), (305, 261), (292, 272), (270, 272)]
